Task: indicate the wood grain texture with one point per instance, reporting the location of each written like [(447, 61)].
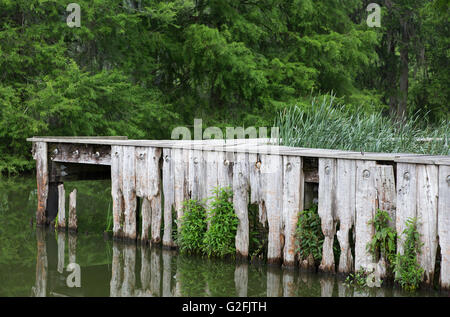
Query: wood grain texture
[(61, 207), (169, 189), (40, 155), (116, 191), (406, 199), (427, 216), (365, 204), (240, 203), (272, 173), (293, 184), (326, 210), (444, 225), (129, 191), (345, 210), (73, 220)]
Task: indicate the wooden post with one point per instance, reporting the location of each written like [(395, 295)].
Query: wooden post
[(326, 210), (61, 207), (293, 184), (195, 174), (154, 195), (73, 226), (72, 248), (240, 203), (256, 186), (116, 191), (365, 211), (170, 158), (427, 214), (345, 210), (406, 199), (40, 155), (444, 224), (129, 192), (181, 178), (272, 173)]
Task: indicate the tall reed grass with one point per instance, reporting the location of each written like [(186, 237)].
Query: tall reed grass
[(328, 125)]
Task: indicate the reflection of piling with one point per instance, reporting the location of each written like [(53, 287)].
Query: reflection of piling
[(273, 282), (116, 270), (61, 207), (72, 248), (167, 256), (40, 288), (129, 267), (73, 226), (288, 283), (326, 285), (241, 279), (61, 248)]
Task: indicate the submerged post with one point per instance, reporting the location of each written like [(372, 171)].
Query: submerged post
[(61, 207), (73, 226)]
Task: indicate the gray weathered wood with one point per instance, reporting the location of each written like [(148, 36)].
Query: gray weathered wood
[(272, 174), (61, 247), (195, 174), (116, 270), (129, 191), (406, 199), (240, 203), (80, 153), (40, 155), (154, 192), (293, 184), (61, 207), (444, 225), (326, 210), (129, 268), (289, 288), (170, 162), (345, 210), (365, 204), (73, 220), (274, 282), (116, 191), (241, 279), (386, 192), (427, 216)]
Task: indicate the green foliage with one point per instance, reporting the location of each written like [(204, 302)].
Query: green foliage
[(258, 234), (327, 124), (384, 241), (408, 272), (309, 235), (357, 279), (220, 238), (193, 227)]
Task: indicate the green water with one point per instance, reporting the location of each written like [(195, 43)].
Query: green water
[(36, 262)]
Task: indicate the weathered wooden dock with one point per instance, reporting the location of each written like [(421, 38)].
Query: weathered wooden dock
[(279, 179)]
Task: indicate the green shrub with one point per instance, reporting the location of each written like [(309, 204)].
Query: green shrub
[(309, 235), (384, 241), (192, 228), (220, 238), (408, 272)]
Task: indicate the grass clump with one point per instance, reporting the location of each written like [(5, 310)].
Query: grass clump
[(219, 240), (193, 227), (408, 273), (329, 125)]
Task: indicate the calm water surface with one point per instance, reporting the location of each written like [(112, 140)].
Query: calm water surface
[(36, 262)]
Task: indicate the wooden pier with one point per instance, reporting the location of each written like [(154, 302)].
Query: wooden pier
[(279, 179)]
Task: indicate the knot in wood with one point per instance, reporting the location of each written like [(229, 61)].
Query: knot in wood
[(167, 158), (448, 180), (406, 176), (76, 153), (116, 154), (288, 167), (327, 170), (258, 165), (96, 154), (141, 156), (226, 162), (366, 174), (195, 160)]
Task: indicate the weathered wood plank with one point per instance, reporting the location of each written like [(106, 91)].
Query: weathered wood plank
[(326, 210), (272, 173), (73, 220), (293, 184), (129, 191), (406, 199), (256, 186), (444, 225), (225, 161), (240, 203), (80, 153), (40, 155), (61, 207), (365, 203), (386, 192), (154, 194), (345, 210), (427, 215), (116, 191), (195, 174), (168, 174)]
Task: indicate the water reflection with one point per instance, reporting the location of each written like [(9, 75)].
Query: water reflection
[(143, 271)]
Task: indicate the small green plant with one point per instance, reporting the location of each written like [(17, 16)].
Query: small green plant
[(407, 271), (358, 279), (383, 243), (109, 219), (193, 227), (309, 235), (220, 238)]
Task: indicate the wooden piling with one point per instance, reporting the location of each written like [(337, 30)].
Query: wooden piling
[(129, 192), (61, 207), (116, 191), (240, 203), (444, 225), (293, 185), (40, 155), (365, 211), (345, 210), (326, 210), (73, 221), (168, 174)]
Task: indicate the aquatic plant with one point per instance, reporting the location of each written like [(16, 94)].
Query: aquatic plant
[(192, 228), (309, 236)]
